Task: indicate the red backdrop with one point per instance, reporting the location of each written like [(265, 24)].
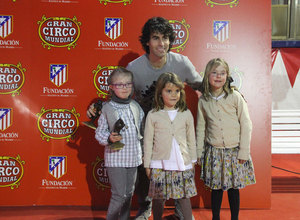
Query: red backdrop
[(54, 58)]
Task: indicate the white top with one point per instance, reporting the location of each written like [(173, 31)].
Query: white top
[(175, 161)]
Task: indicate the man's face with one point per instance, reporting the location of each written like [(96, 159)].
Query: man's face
[(158, 45)]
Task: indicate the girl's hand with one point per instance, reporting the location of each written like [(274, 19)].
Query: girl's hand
[(148, 172), (199, 161), (242, 161), (114, 137)]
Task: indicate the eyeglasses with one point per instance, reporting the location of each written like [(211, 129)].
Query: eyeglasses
[(121, 86), (218, 74)]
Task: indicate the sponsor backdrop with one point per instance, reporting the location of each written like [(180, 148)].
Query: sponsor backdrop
[(55, 58)]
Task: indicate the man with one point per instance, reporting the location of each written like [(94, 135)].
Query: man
[(157, 38)]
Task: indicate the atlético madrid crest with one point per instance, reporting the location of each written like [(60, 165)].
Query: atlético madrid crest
[(221, 30), (6, 25), (57, 166), (113, 27), (58, 74), (5, 118)]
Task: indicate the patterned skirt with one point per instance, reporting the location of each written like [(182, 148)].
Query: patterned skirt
[(166, 184), (220, 169)]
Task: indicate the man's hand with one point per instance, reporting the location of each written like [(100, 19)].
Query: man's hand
[(91, 112)]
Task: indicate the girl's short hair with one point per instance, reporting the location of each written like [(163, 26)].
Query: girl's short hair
[(162, 80), (212, 64), (117, 72)]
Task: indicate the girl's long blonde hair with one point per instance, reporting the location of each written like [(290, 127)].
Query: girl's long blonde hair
[(163, 79)]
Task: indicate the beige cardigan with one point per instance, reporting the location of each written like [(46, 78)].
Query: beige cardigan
[(159, 131), (224, 123)]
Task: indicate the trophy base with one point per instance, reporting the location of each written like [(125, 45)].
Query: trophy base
[(89, 124), (116, 146)]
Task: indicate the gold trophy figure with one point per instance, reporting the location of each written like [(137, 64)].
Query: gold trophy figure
[(91, 123)]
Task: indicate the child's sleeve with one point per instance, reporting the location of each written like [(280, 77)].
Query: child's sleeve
[(191, 138), (246, 129), (200, 129), (142, 121), (102, 132), (148, 140)]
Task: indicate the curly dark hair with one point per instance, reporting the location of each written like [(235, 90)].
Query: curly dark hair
[(156, 25)]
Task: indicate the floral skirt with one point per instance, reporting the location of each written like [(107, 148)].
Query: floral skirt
[(165, 184), (220, 169)]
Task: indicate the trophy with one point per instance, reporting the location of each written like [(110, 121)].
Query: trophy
[(98, 107), (119, 125)]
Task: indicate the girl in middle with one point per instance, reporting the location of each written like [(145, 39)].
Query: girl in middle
[(170, 147)]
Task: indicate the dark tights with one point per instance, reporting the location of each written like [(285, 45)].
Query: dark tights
[(234, 202)]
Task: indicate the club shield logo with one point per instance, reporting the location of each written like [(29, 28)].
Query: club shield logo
[(6, 25), (100, 79), (58, 74), (12, 171), (221, 30), (113, 27), (5, 118), (59, 32), (57, 166), (57, 123)]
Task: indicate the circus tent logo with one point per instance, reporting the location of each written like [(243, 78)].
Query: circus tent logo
[(57, 123), (100, 174), (12, 171), (125, 2), (11, 78), (101, 75), (230, 3), (181, 29), (59, 32)]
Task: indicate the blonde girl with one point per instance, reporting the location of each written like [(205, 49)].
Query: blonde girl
[(170, 147), (223, 138)]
